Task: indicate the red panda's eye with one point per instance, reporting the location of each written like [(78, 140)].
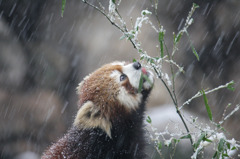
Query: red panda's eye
[(123, 77)]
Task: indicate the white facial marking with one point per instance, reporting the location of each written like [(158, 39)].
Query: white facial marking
[(131, 101), (126, 99), (116, 75), (132, 74), (118, 63)]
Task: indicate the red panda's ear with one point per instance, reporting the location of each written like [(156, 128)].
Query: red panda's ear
[(90, 116), (79, 87)]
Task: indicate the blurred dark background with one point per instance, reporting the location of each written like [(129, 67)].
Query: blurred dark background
[(43, 57)]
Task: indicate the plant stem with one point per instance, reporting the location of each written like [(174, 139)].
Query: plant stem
[(199, 94), (173, 95), (112, 22), (175, 104), (124, 31)]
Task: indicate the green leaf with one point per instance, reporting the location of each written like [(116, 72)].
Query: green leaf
[(195, 52), (114, 1), (206, 105), (170, 145), (176, 141), (130, 36), (229, 104), (134, 60), (228, 145), (225, 155), (147, 79), (122, 37), (195, 5), (63, 7), (215, 154), (193, 49), (140, 84), (186, 137), (199, 141), (221, 145), (159, 145), (177, 39), (194, 120), (160, 39), (160, 36), (220, 127), (206, 139), (230, 86), (161, 47), (149, 120)]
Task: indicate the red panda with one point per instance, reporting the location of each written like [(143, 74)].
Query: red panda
[(109, 122)]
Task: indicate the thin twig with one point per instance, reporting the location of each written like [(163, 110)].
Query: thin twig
[(175, 101), (199, 94), (230, 114), (124, 31), (155, 11), (173, 93), (108, 18), (176, 106)]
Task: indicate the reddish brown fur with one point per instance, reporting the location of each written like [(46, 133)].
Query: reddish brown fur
[(125, 139), (101, 83), (130, 88)]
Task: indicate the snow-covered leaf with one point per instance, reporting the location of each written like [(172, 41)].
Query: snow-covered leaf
[(188, 136), (230, 86)]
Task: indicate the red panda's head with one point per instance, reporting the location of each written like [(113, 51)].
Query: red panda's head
[(111, 90)]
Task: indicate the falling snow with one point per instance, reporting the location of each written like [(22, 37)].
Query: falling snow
[(44, 56)]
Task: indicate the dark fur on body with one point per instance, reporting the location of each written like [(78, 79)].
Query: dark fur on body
[(127, 140)]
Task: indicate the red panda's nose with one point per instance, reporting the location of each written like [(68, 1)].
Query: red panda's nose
[(137, 65), (144, 71)]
